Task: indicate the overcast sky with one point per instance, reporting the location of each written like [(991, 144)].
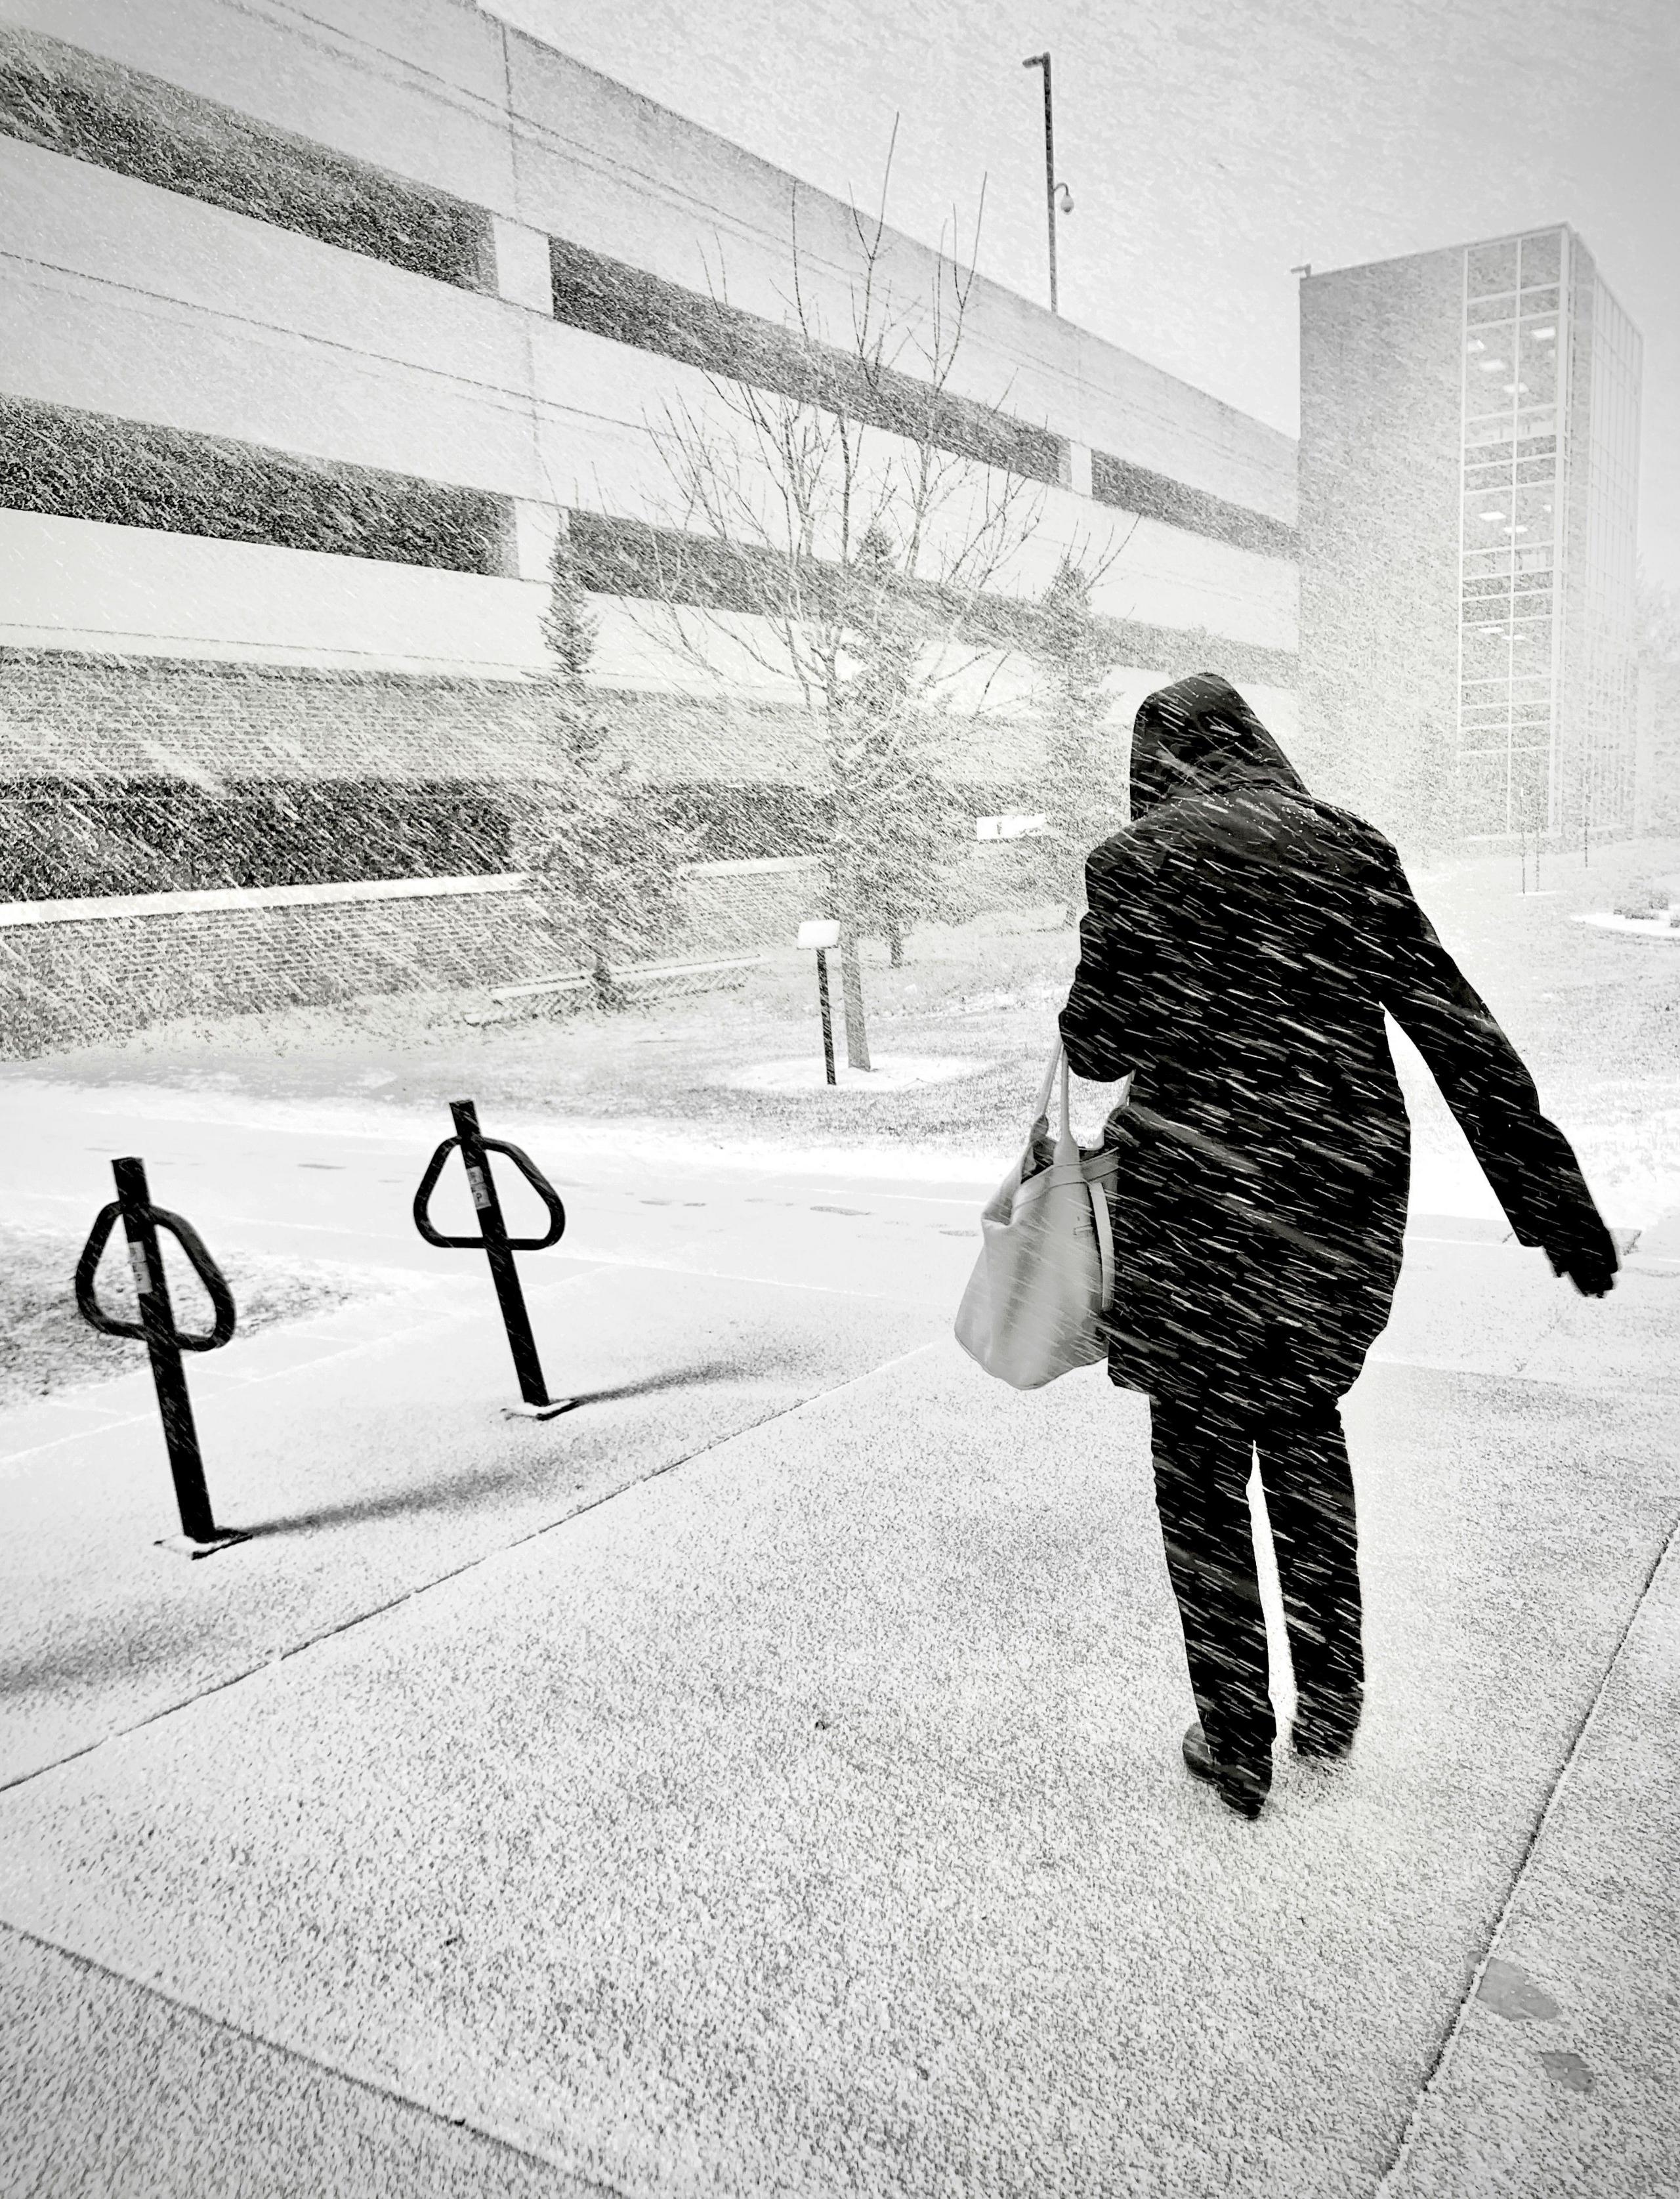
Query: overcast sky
[(1209, 146)]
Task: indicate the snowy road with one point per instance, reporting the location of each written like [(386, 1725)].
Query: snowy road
[(337, 1183)]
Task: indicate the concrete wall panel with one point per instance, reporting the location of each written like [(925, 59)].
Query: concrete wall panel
[(602, 404), (523, 274), (415, 86), (72, 342), (149, 243), (73, 583), (1164, 576), (601, 165), (650, 649), (76, 584)]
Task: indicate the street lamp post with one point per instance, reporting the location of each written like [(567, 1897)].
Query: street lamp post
[(1057, 197)]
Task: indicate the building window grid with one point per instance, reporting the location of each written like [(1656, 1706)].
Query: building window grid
[(1506, 712)]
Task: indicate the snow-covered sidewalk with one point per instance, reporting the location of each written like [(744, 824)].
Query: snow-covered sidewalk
[(766, 1776)]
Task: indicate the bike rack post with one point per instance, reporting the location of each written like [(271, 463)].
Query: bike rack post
[(497, 1246), (199, 1536)]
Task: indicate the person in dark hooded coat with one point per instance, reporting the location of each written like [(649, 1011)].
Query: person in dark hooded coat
[(1242, 942)]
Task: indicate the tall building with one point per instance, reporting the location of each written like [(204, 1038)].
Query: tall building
[(1468, 506)]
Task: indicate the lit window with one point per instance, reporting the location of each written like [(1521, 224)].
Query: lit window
[(1541, 335), (1490, 515), (1490, 365)]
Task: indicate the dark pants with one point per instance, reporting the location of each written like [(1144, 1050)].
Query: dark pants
[(1203, 1453)]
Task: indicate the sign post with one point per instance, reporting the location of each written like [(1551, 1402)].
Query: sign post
[(199, 1536), (822, 933)]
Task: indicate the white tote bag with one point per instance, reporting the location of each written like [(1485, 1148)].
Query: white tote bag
[(1046, 1269)]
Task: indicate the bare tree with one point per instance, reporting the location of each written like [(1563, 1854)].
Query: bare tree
[(841, 503)]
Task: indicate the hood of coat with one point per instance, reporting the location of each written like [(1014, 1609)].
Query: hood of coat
[(1199, 736)]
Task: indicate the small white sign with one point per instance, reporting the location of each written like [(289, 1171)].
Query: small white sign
[(1013, 827), (821, 931)]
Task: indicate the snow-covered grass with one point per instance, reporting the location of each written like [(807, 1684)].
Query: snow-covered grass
[(985, 993), (45, 1345), (1595, 1013)]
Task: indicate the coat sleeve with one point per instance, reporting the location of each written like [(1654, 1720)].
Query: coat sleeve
[(1526, 1157), (1101, 1024)]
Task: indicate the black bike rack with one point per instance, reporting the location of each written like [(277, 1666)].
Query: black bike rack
[(199, 1536), (496, 1245)]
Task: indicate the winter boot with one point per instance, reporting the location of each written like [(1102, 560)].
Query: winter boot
[(1241, 1786)]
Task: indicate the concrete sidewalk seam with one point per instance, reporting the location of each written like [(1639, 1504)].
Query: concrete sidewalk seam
[(1448, 2044), (296, 2054), (458, 1572)]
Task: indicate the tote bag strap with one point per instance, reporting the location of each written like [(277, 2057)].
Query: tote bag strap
[(1041, 1112), (1066, 1150), (1105, 1241)]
